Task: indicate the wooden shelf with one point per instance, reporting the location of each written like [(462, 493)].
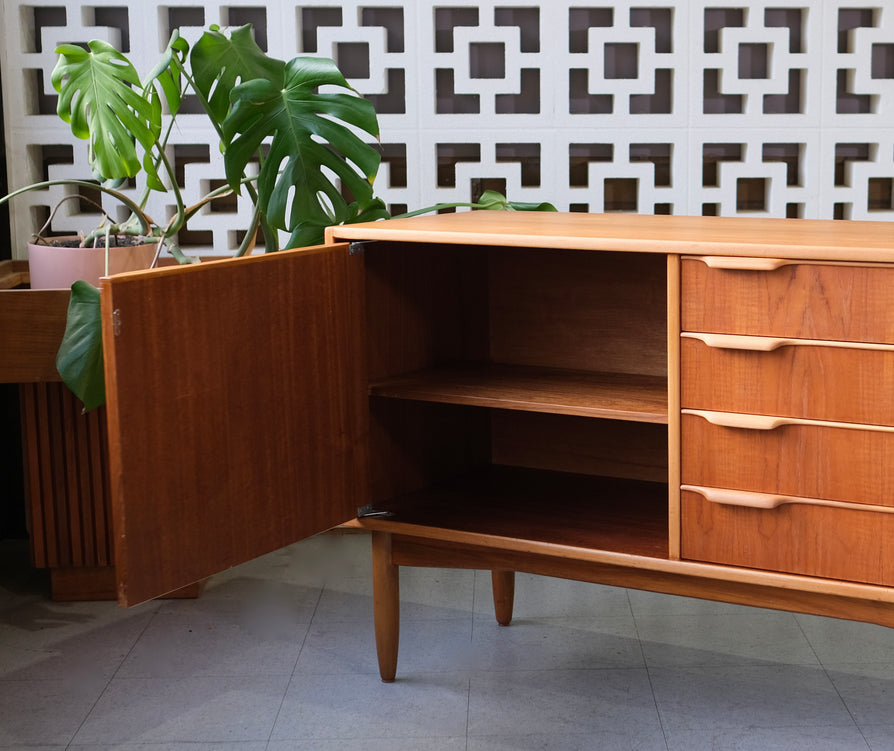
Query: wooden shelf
[(616, 396), (623, 516)]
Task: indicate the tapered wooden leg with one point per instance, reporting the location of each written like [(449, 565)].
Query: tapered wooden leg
[(386, 605), (504, 595)]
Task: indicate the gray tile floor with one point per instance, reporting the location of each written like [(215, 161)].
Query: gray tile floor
[(278, 654)]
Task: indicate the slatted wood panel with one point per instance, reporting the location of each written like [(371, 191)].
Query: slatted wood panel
[(66, 466)]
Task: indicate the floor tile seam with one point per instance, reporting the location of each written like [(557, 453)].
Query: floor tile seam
[(657, 669), (294, 670), (289, 738), (743, 662), (468, 709), (760, 726), (828, 675), (114, 676), (490, 670), (646, 667)]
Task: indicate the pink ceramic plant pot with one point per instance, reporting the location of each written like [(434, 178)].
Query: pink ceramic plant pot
[(55, 267)]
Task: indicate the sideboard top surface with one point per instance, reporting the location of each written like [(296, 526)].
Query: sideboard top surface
[(813, 239)]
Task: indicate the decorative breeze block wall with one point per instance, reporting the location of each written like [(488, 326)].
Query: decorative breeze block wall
[(760, 108)]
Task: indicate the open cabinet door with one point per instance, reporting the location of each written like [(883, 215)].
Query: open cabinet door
[(237, 411)]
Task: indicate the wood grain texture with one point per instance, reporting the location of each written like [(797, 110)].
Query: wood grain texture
[(431, 305), (836, 543), (551, 507), (738, 236), (386, 605), (842, 464), (798, 594), (503, 587), (580, 445), (31, 326), (619, 396), (426, 306), (807, 301), (674, 389), (417, 444), (237, 411), (805, 379), (599, 312), (67, 485)]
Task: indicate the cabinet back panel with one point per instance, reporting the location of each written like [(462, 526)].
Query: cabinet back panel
[(580, 310), (417, 444), (426, 306), (431, 304), (583, 445)]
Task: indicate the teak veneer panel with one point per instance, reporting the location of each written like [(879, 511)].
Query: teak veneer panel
[(425, 305), (580, 445), (33, 322), (835, 543), (731, 236), (572, 310), (757, 588), (609, 395), (806, 301), (523, 504), (804, 379), (815, 461), (241, 434)]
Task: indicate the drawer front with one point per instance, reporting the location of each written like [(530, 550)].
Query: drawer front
[(800, 300), (812, 460), (790, 378), (797, 538)]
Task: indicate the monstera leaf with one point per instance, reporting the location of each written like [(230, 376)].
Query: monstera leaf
[(102, 98), (311, 231), (219, 63), (313, 150), (79, 360)]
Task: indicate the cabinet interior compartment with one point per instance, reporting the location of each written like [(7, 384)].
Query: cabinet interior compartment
[(520, 393)]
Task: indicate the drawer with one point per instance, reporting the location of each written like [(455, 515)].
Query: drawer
[(796, 537), (788, 377), (833, 461), (798, 300)]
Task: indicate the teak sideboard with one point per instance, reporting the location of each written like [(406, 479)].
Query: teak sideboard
[(692, 405)]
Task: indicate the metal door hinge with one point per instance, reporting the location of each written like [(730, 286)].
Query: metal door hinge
[(369, 510), (358, 247)]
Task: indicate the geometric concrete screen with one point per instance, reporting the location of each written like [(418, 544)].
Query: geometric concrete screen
[(726, 108)]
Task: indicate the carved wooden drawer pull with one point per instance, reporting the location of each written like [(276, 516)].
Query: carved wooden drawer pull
[(730, 263), (767, 501), (771, 422), (771, 343)]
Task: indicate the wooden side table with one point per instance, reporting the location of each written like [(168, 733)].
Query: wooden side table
[(64, 449)]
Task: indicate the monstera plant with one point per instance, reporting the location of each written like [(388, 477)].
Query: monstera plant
[(296, 120)]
